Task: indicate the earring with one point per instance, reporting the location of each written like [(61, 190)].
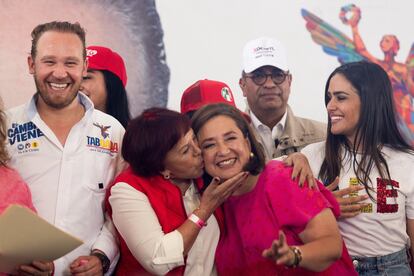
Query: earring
[(251, 155), (166, 176)]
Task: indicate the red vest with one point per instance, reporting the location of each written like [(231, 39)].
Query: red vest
[(167, 202)]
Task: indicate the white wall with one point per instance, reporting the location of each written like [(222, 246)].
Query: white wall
[(204, 39)]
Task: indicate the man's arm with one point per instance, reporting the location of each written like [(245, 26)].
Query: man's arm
[(103, 255)]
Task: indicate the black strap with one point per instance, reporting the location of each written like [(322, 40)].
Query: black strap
[(277, 142)]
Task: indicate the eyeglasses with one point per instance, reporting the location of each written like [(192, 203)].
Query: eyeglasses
[(260, 77)]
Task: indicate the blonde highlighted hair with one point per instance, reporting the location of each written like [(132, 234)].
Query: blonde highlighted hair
[(4, 156)]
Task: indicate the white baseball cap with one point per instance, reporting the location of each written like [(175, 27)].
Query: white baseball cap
[(264, 51)]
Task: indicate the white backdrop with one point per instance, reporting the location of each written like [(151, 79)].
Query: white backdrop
[(204, 39)]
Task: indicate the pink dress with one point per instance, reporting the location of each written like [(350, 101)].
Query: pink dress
[(253, 220), (13, 190)]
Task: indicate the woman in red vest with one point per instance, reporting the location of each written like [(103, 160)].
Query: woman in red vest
[(165, 226)]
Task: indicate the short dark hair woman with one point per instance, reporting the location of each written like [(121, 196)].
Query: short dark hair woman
[(165, 225)]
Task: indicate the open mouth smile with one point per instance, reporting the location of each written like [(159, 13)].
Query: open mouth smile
[(336, 118), (58, 86), (226, 163)]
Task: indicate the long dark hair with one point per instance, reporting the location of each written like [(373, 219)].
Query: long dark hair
[(377, 126), (116, 98)]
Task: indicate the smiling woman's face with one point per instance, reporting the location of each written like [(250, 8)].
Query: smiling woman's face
[(184, 161), (344, 107), (224, 148), (93, 85)]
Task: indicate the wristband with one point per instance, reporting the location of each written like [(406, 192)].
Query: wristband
[(198, 221)]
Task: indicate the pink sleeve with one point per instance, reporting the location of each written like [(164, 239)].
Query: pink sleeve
[(14, 190), (25, 197), (293, 206), (331, 199)]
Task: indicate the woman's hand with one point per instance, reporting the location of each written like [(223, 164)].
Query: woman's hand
[(350, 206), (216, 192), (280, 252), (301, 169), (37, 268)]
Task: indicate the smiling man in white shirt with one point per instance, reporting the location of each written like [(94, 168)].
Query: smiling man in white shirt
[(66, 151)]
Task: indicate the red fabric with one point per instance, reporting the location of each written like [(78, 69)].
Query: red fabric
[(167, 202), (102, 58), (204, 92)]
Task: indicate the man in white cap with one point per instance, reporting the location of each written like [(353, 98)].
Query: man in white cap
[(265, 83)]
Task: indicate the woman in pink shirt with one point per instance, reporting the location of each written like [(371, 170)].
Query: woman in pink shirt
[(13, 190), (272, 226)]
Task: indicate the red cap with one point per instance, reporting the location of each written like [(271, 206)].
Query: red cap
[(102, 58), (205, 92)]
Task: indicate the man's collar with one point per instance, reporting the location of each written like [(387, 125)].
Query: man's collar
[(85, 101), (82, 98), (282, 121), (257, 123)]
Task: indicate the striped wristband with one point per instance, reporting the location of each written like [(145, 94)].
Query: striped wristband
[(198, 221)]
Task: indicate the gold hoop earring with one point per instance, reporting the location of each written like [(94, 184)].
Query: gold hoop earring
[(166, 176)]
